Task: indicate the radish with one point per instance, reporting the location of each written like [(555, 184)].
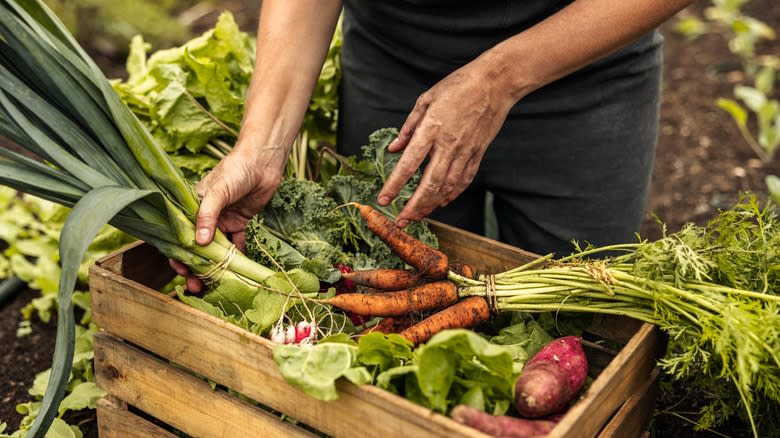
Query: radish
[(551, 378)]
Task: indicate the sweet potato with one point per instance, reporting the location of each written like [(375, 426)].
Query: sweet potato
[(501, 425), (551, 378)]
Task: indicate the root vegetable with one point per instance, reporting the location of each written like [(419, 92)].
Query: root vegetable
[(424, 258), (385, 279), (568, 354), (389, 324), (463, 269), (501, 425), (551, 378), (465, 313), (428, 296)]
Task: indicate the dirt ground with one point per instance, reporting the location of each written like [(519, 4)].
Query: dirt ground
[(702, 164)]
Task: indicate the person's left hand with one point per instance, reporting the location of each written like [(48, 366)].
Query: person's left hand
[(453, 123)]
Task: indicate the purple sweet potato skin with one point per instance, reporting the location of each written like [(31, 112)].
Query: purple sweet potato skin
[(501, 425), (551, 378), (568, 353), (541, 390)]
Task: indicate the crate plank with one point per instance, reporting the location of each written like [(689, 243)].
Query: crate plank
[(115, 421), (487, 256), (178, 398), (631, 419)]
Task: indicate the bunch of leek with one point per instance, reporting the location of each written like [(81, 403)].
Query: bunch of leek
[(85, 149)]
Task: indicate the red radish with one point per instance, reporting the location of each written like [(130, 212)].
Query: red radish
[(551, 378), (501, 425), (349, 285)]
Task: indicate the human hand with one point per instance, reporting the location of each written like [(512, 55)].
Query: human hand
[(234, 191), (453, 123)]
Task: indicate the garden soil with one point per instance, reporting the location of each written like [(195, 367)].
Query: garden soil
[(702, 164)]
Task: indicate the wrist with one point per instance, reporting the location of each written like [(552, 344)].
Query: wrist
[(261, 152), (511, 78)]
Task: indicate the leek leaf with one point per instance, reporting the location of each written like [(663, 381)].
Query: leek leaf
[(84, 222), (59, 155)]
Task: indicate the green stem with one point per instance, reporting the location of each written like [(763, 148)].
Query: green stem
[(213, 151), (708, 287), (223, 146), (631, 313), (628, 247), (525, 267)]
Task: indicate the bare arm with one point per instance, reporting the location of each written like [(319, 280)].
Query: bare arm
[(293, 39), (454, 122)]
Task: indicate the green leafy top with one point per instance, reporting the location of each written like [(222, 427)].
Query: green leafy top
[(305, 224), (455, 366)]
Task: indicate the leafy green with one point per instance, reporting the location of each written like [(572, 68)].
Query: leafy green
[(30, 228), (315, 369), (307, 224), (302, 224), (192, 97), (455, 366)]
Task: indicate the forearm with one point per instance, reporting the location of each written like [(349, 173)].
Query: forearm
[(578, 35), (293, 39)]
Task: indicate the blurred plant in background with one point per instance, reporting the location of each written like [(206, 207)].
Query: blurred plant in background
[(755, 107), (108, 25)]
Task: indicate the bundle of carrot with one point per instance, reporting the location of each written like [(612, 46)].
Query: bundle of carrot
[(394, 293), (694, 284)]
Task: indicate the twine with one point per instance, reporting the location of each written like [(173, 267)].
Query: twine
[(490, 293), (213, 275)]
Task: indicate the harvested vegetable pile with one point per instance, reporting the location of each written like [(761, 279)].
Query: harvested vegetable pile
[(713, 289)]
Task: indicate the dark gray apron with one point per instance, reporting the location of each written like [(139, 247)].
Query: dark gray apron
[(573, 160)]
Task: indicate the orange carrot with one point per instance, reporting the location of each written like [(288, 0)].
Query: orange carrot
[(385, 325), (464, 314), (427, 260), (463, 269), (420, 298), (390, 324), (385, 279)]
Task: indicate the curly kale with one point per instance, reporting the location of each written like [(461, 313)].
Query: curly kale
[(306, 224), (300, 227)]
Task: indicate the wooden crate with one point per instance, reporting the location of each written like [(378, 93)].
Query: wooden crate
[(153, 353)]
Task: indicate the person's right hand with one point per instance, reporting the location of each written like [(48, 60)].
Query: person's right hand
[(234, 191)]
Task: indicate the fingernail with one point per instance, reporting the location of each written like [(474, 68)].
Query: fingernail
[(403, 223), (383, 200), (203, 234)]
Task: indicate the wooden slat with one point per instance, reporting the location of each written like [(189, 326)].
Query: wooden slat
[(180, 399), (486, 255), (614, 327), (141, 262), (621, 379), (115, 421), (631, 419), (243, 362)]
